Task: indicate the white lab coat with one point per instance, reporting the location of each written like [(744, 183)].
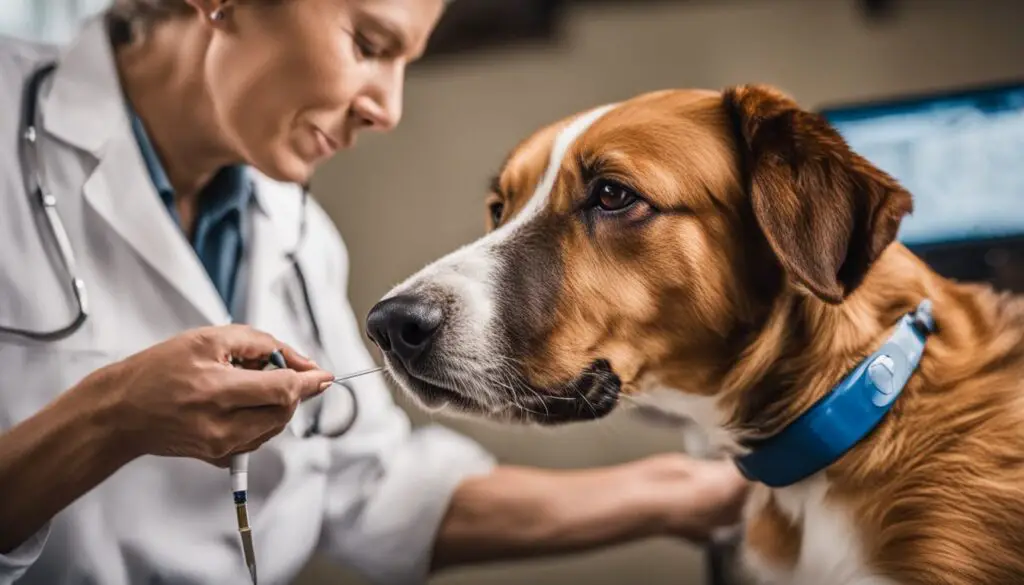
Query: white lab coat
[(372, 499)]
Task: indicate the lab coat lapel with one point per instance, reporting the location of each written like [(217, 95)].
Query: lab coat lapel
[(121, 193), (275, 233), (85, 107)]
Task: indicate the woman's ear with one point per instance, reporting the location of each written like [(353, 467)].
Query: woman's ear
[(213, 11), (826, 212)]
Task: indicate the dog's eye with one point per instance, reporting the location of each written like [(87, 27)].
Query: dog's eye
[(496, 209), (614, 197)]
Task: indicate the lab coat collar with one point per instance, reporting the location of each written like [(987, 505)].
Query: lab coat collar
[(275, 235), (279, 207), (85, 105), (86, 108)]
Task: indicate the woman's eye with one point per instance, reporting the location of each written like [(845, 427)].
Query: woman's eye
[(614, 197), (496, 210), (366, 49)]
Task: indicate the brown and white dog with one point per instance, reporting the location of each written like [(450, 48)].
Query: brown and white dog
[(726, 256)]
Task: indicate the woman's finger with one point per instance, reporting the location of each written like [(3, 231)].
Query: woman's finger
[(241, 342), (275, 428), (241, 388), (237, 431), (222, 462), (297, 361)]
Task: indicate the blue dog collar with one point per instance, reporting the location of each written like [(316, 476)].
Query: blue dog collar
[(845, 416)]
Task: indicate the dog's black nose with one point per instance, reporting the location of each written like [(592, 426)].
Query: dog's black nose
[(404, 325)]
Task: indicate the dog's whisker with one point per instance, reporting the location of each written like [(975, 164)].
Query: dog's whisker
[(586, 401)]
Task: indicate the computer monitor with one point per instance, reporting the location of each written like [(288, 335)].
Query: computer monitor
[(961, 154)]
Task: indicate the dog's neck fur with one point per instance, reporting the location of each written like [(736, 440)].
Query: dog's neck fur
[(948, 457), (805, 346)]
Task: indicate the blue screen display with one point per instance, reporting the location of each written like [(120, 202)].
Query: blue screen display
[(960, 156)]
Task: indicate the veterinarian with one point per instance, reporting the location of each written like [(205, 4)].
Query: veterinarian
[(151, 195)]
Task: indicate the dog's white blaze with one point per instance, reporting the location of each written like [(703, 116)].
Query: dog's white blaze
[(565, 139), (468, 272)]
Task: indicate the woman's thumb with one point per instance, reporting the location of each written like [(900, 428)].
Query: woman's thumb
[(313, 382)]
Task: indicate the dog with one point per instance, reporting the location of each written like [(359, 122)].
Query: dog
[(724, 255)]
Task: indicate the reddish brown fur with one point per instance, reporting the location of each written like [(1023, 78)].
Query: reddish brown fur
[(730, 299)]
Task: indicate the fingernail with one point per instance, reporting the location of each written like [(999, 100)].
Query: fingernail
[(325, 385)]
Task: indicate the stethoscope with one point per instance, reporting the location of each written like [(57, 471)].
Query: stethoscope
[(39, 194)]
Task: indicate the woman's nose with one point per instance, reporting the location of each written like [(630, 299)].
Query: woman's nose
[(381, 104)]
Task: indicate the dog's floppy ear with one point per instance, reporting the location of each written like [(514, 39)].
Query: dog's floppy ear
[(826, 212)]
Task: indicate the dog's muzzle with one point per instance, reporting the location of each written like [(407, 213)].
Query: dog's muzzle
[(432, 357)]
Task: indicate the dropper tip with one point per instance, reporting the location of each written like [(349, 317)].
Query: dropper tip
[(358, 374)]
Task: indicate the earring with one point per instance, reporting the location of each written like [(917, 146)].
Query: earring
[(217, 15)]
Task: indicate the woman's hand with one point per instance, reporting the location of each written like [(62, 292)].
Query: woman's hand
[(708, 495), (181, 397), (184, 397)]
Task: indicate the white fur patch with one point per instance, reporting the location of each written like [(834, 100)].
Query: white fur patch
[(469, 272), (830, 550), (706, 437)]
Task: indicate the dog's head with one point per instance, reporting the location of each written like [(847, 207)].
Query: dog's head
[(637, 243)]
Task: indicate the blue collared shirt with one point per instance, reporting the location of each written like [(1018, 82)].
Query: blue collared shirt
[(218, 237)]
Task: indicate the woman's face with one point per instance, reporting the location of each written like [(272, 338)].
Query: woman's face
[(294, 81)]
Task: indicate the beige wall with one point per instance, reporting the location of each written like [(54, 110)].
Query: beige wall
[(462, 116)]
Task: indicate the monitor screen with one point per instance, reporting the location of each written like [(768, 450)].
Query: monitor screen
[(960, 154)]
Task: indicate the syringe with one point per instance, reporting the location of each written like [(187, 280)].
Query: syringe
[(240, 487)]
